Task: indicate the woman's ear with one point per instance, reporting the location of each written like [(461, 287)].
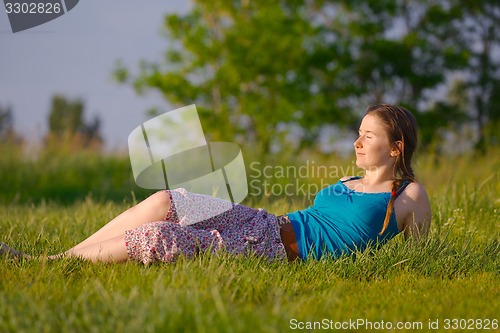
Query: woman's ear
[(397, 148)]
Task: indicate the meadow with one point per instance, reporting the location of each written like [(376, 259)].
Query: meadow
[(449, 282)]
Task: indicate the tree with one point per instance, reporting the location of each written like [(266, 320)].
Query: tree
[(256, 67), (409, 52), (478, 32), (472, 100), (244, 64), (7, 132), (390, 51), (67, 125), (6, 123)]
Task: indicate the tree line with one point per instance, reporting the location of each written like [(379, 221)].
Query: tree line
[(67, 128)]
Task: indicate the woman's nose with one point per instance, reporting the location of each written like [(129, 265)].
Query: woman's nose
[(357, 143)]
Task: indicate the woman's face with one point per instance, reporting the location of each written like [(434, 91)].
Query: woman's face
[(372, 146)]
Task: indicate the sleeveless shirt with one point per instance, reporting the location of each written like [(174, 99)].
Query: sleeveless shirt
[(342, 220)]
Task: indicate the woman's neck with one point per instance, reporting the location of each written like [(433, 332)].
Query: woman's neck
[(378, 176)]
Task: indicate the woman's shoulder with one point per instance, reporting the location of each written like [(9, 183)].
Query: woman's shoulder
[(413, 210), (415, 190), (414, 198)]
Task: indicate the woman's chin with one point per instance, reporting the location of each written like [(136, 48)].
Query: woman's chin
[(360, 165)]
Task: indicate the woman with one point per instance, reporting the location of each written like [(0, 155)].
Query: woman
[(345, 216)]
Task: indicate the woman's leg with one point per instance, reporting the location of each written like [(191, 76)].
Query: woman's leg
[(152, 209), (110, 250), (107, 244)]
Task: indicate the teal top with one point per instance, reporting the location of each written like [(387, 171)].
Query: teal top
[(342, 220)]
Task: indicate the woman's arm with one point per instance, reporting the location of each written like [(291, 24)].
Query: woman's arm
[(418, 214)]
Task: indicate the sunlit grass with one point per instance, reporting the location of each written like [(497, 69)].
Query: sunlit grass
[(454, 274)]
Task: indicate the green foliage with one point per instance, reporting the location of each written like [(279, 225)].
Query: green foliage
[(64, 177), (226, 61), (65, 116), (7, 133), (256, 69), (481, 39), (67, 125), (5, 121)]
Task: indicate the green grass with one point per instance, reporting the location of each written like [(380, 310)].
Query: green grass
[(453, 275)]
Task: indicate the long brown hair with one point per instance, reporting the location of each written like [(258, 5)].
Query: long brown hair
[(400, 125)]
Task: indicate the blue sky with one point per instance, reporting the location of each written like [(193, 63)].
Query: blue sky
[(74, 55)]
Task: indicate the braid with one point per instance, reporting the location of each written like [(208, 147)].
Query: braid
[(407, 174), (390, 205)]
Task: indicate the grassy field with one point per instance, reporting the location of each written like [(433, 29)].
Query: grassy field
[(449, 283)]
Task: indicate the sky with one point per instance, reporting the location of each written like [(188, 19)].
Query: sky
[(74, 55)]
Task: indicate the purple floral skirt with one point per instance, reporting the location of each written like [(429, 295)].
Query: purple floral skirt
[(185, 230)]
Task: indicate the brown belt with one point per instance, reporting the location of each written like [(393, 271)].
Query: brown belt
[(288, 238)]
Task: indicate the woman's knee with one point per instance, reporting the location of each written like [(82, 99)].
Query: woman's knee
[(159, 202)]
